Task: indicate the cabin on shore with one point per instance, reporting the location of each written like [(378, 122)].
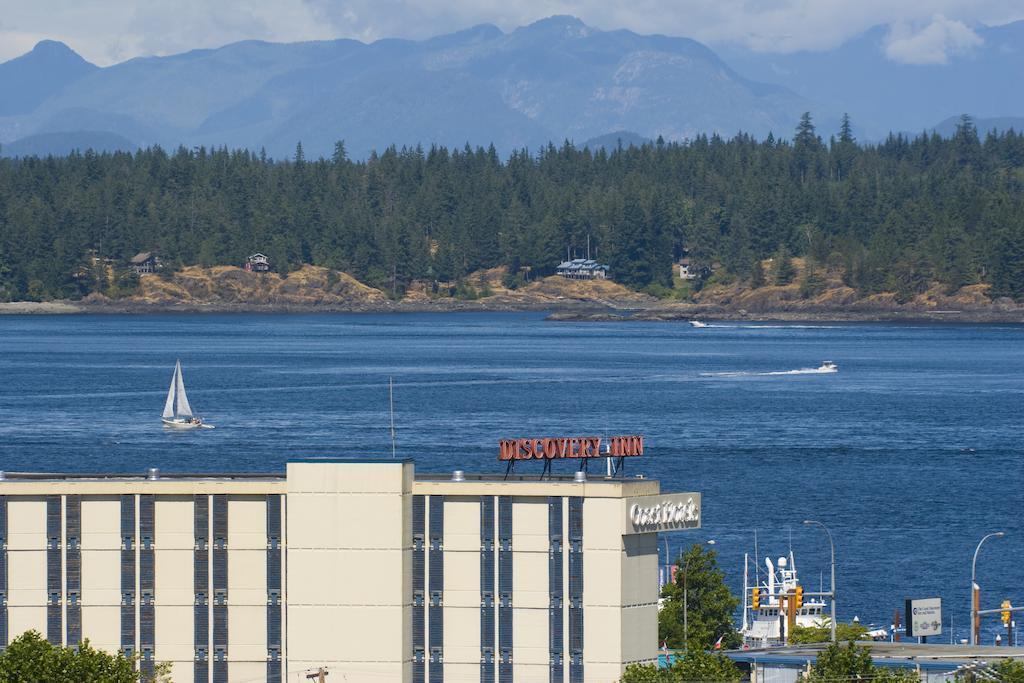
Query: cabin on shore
[(687, 270), (583, 269), (145, 263), (257, 263)]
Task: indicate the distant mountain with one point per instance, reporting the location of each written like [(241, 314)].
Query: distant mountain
[(62, 144), (552, 80), (884, 95), (612, 141), (25, 82)]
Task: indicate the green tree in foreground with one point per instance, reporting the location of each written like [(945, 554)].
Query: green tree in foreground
[(1009, 671), (821, 632), (696, 665), (30, 657), (853, 662), (709, 604)]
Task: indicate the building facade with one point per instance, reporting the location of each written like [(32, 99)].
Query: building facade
[(257, 263), (582, 269), (145, 263), (361, 567)]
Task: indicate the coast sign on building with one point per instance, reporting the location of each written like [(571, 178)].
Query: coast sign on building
[(669, 512)]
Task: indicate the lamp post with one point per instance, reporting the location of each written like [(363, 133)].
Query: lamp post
[(686, 573), (832, 592), (975, 590)]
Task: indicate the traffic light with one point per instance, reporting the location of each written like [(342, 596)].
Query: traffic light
[(799, 597), (755, 598), (1005, 614)]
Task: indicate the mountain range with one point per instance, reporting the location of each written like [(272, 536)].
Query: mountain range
[(552, 80)]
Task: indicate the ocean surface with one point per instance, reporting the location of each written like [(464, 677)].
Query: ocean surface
[(910, 453)]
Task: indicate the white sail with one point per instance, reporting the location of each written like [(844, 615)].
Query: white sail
[(169, 405), (182, 408)]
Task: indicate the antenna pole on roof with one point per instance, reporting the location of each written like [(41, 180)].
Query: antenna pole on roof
[(391, 400), (757, 562), (588, 246)]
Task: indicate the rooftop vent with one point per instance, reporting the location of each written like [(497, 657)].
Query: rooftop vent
[(458, 475), (580, 477), (153, 473), (3, 475)]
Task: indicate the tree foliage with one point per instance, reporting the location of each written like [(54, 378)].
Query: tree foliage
[(30, 657), (704, 597), (853, 662), (696, 665), (896, 215), (821, 632), (1009, 671)]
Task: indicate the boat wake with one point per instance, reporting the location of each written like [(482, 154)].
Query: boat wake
[(742, 326), (827, 368), (803, 371)]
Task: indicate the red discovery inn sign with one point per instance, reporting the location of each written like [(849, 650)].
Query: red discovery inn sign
[(553, 448)]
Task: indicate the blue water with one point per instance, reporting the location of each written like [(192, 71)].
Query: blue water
[(909, 454)]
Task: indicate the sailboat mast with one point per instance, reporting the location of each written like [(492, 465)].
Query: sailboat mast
[(391, 401)]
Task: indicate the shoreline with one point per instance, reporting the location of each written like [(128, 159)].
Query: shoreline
[(557, 311)]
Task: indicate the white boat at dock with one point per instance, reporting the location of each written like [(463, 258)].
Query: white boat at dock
[(768, 617)]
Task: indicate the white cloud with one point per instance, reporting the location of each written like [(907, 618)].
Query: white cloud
[(108, 31), (934, 44)]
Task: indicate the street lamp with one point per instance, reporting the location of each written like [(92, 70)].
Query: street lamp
[(832, 593), (975, 590), (686, 573)]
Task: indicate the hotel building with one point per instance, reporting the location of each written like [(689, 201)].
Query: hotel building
[(360, 566)]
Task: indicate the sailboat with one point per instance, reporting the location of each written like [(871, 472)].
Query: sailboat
[(177, 411)]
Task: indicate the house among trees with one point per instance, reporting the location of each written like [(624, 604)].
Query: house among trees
[(583, 269), (686, 270), (145, 263), (257, 263)]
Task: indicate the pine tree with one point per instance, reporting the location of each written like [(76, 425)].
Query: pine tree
[(757, 275), (784, 272)]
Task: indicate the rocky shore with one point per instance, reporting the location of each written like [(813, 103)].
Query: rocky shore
[(313, 289)]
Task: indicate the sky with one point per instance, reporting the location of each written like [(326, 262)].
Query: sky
[(111, 31)]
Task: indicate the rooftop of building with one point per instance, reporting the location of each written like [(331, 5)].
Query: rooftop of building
[(534, 476), (582, 263)]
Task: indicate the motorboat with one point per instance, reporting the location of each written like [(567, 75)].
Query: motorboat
[(697, 323), (828, 366), (177, 411)]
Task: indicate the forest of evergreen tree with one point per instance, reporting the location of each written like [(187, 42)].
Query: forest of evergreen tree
[(894, 216)]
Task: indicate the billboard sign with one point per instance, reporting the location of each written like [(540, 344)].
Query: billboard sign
[(669, 512), (570, 447), (924, 617)]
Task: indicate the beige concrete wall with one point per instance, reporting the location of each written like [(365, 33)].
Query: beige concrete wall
[(620, 592), (349, 551), (174, 591), (640, 598), (101, 571), (26, 565), (461, 587), (247, 585), (530, 586)]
